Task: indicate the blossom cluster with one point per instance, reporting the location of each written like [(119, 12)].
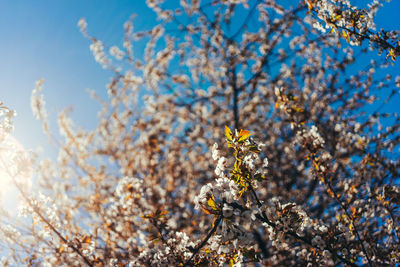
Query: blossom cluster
[(354, 24), (6, 117)]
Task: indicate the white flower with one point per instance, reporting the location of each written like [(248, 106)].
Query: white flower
[(397, 81), (97, 49), (82, 24), (201, 199), (318, 241), (227, 211), (219, 170), (113, 262), (116, 52), (265, 162), (215, 152)]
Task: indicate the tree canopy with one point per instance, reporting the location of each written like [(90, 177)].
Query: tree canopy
[(247, 133)]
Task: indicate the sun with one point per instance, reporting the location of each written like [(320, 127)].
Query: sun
[(15, 173)]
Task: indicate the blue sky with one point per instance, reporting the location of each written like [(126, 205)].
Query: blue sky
[(40, 39)]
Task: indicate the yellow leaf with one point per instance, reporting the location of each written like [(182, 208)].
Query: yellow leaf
[(297, 109), (85, 239), (61, 249), (243, 135), (242, 191), (392, 54), (163, 213), (345, 35), (211, 202), (316, 165), (228, 133)]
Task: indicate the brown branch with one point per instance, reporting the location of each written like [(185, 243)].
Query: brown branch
[(204, 242)]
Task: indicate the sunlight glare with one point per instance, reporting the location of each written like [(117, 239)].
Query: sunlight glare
[(15, 170)]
